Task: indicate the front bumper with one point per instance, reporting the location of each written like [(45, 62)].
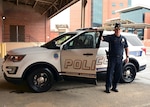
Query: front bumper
[(142, 67), (13, 80)]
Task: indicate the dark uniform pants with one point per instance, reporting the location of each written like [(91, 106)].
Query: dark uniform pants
[(114, 71)]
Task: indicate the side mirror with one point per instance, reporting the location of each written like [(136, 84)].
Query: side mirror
[(65, 47)]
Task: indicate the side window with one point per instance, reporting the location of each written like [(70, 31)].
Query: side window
[(88, 42), (83, 41)]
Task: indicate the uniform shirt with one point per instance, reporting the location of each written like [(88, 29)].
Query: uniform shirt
[(116, 44)]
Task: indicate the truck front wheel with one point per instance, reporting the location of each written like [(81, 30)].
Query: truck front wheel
[(129, 73), (40, 80)]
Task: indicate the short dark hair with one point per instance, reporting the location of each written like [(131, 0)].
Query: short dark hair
[(117, 25)]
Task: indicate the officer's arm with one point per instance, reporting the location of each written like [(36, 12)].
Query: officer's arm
[(106, 38), (127, 54), (102, 38), (126, 49)]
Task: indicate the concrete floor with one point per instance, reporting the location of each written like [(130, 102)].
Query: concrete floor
[(75, 94)]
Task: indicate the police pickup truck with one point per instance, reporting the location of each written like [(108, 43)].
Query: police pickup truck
[(80, 54)]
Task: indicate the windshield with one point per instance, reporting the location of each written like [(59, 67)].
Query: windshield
[(57, 42), (134, 40)]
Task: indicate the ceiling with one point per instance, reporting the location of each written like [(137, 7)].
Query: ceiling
[(48, 7)]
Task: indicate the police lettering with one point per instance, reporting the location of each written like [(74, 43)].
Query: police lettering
[(79, 64), (101, 60)]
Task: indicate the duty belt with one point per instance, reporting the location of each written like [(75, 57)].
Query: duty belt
[(118, 56)]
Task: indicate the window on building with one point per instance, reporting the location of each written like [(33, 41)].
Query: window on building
[(129, 3), (113, 12), (121, 4), (17, 33), (113, 4)]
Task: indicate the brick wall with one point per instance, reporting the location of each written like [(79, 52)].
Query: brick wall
[(53, 34), (110, 6), (37, 26)]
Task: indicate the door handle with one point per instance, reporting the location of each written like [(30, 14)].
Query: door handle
[(88, 54)]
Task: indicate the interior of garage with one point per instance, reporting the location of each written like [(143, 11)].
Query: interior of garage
[(28, 20), (26, 23)]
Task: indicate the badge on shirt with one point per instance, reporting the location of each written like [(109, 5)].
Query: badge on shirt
[(122, 40)]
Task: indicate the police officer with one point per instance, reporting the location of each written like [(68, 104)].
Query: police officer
[(117, 45)]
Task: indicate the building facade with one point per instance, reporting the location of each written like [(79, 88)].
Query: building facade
[(110, 6), (97, 12), (140, 16), (100, 12)]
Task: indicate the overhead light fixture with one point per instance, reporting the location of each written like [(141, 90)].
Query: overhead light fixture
[(3, 17)]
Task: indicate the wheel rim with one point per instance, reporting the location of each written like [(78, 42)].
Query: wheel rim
[(40, 80), (128, 74)]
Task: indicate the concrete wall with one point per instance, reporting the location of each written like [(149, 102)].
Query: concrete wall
[(5, 47), (37, 26), (14, 45)]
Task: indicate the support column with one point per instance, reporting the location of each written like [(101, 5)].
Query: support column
[(83, 4), (145, 34), (1, 20)]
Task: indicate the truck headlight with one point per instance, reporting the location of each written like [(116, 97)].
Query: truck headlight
[(16, 58)]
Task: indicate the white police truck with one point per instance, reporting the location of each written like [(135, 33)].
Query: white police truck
[(79, 54)]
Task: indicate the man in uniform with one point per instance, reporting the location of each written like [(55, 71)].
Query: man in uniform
[(117, 45)]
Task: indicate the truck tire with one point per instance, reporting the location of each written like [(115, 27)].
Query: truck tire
[(40, 80), (129, 73)]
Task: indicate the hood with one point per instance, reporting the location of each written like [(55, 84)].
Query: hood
[(27, 50)]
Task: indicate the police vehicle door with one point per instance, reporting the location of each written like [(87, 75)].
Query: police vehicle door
[(78, 58)]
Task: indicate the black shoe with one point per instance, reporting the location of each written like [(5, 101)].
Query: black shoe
[(115, 90), (107, 91)]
